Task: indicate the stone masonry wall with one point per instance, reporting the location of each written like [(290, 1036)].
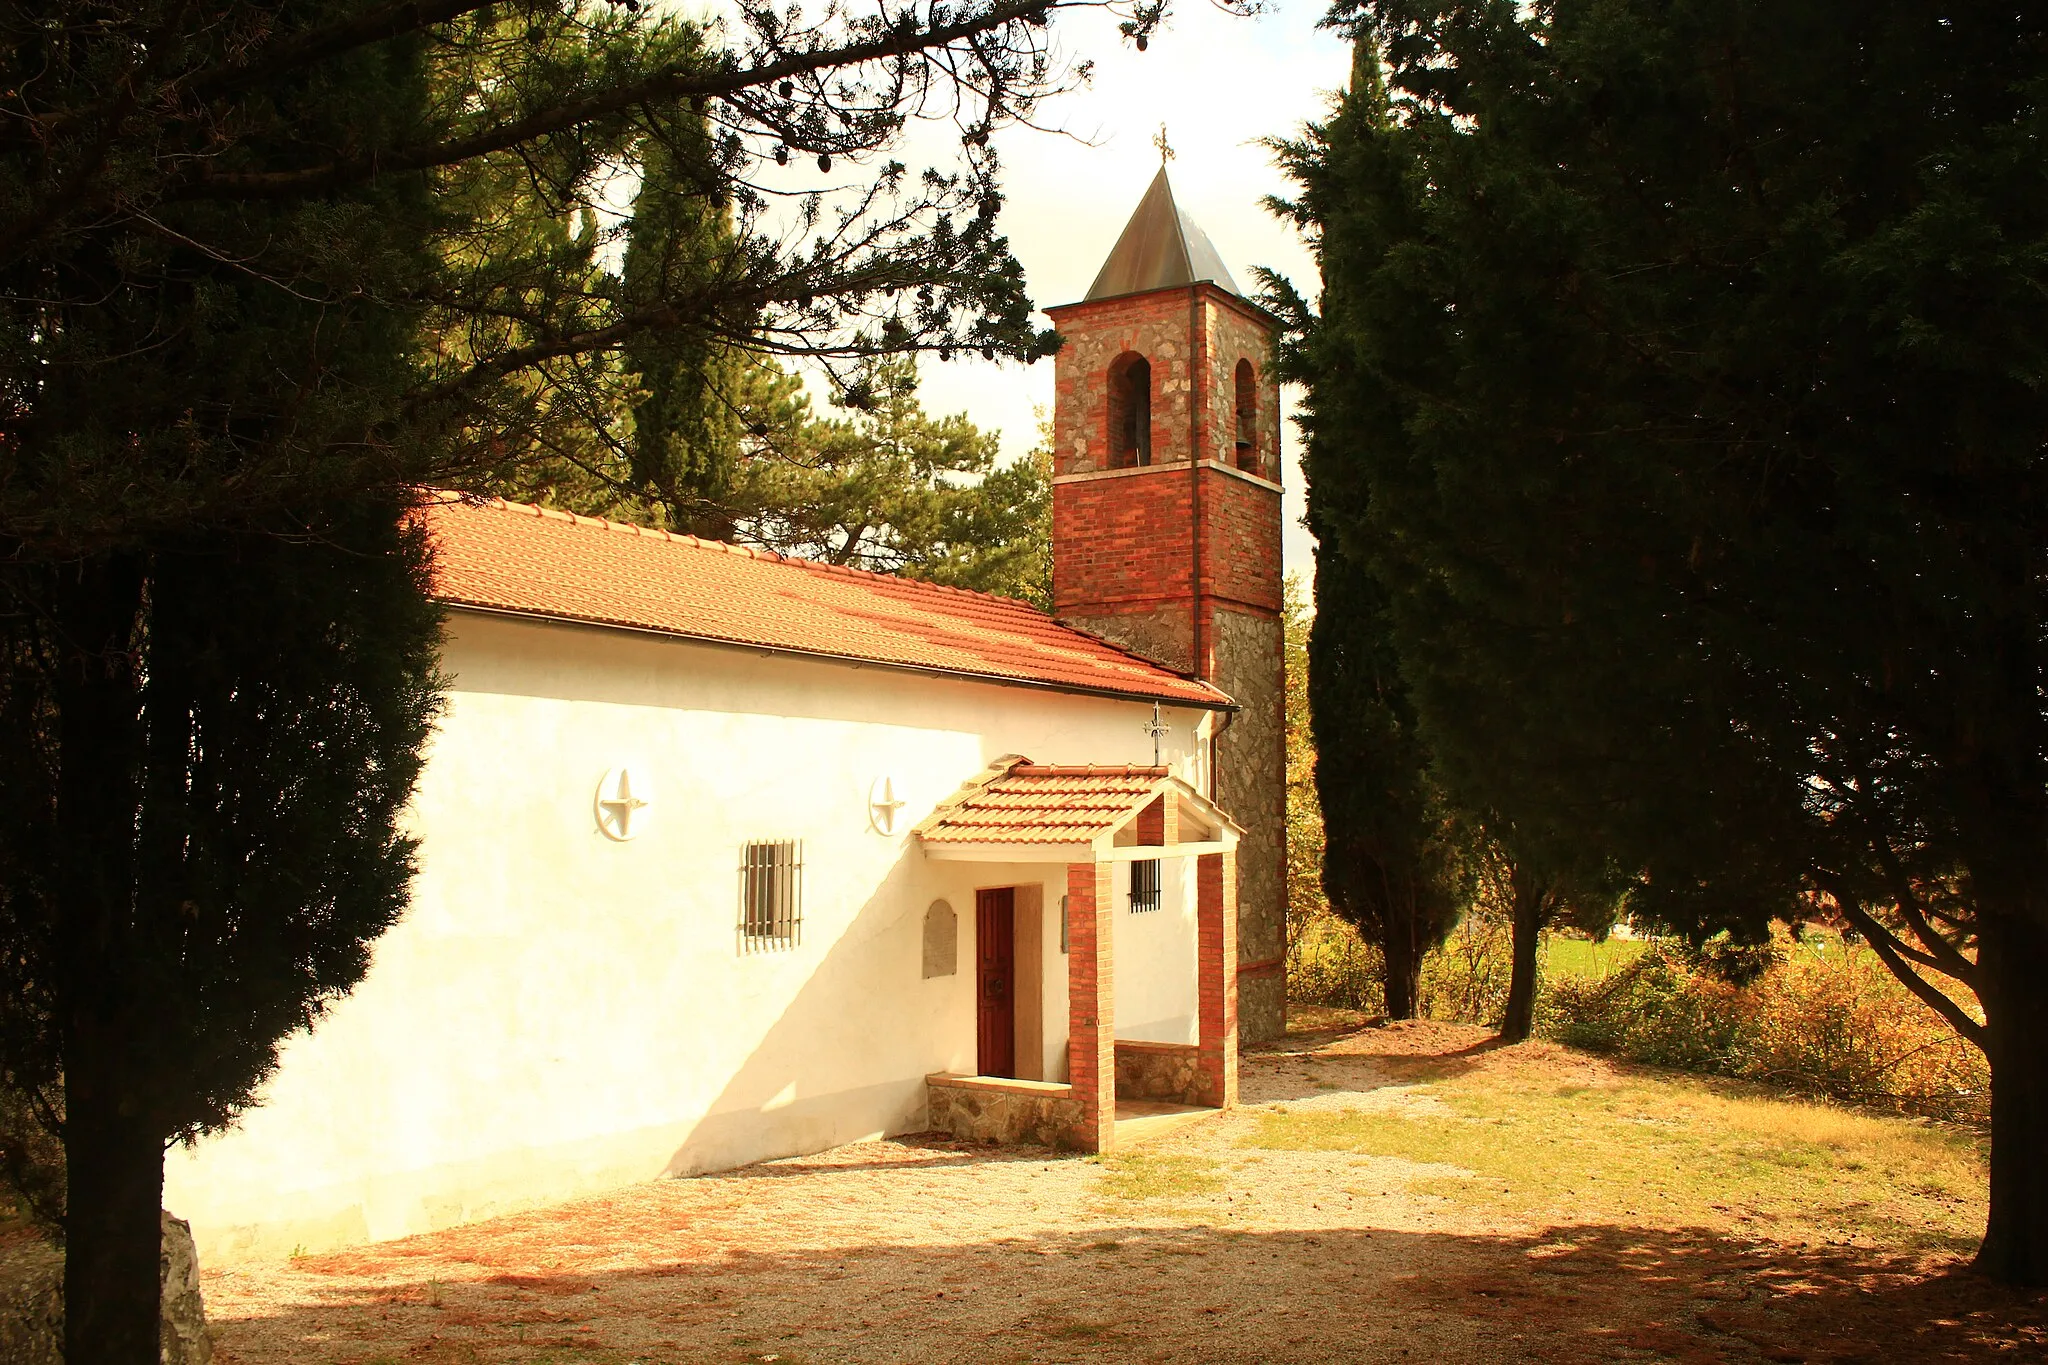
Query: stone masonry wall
[(1154, 325), (1236, 333), (1022, 1111), (1159, 1071), (1193, 339), (1251, 783)]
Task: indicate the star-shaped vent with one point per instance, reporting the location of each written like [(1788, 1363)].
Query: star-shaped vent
[(619, 806)]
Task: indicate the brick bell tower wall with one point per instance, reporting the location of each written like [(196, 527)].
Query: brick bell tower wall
[(1179, 559)]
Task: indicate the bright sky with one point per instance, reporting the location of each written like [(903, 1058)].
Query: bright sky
[(1220, 84)]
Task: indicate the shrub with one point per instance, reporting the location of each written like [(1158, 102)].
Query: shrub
[(1329, 964), (1825, 1019), (1466, 980)]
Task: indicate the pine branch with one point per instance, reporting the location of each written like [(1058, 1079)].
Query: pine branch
[(673, 83)]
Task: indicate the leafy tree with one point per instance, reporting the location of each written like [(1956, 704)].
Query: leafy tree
[(1698, 351), (1305, 899), (261, 274)]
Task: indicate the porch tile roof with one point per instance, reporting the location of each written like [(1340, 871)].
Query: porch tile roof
[(516, 558), (1034, 803)]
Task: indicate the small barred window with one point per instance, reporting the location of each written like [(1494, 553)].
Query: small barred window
[(1144, 885), (771, 895)]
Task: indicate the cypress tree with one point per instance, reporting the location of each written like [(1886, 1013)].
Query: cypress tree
[(1701, 353), (1391, 858), (212, 739)]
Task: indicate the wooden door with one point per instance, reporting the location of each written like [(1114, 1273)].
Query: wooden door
[(995, 952)]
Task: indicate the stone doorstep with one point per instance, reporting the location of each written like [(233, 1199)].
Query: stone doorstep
[(1143, 1121)]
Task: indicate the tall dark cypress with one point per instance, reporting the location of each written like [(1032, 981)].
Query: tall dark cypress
[(1390, 866), (1697, 356)]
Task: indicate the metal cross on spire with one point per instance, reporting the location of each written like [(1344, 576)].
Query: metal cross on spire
[(1165, 147), (1156, 728)]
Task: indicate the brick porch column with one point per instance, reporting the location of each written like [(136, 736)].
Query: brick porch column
[(1091, 1001), (1216, 962)]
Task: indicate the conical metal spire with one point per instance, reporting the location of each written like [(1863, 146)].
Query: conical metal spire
[(1161, 248)]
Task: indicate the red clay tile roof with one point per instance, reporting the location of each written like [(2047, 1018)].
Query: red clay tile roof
[(1031, 803), (515, 558)]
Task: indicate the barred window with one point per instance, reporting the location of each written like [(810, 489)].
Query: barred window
[(771, 895), (1144, 885)]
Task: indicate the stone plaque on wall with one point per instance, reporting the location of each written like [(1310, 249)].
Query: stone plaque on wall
[(941, 941)]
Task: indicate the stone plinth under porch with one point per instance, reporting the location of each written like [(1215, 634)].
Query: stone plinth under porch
[(1043, 1113)]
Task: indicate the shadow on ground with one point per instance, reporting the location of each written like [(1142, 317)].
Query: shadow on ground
[(1138, 1293)]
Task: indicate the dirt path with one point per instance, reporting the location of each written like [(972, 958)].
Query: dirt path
[(1203, 1247)]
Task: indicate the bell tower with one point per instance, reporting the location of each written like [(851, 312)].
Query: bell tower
[(1166, 525)]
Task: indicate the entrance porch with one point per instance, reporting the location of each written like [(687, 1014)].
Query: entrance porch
[(1132, 840)]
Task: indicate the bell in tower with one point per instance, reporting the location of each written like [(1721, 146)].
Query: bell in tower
[(1166, 524)]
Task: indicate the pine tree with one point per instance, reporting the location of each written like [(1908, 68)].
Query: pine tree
[(688, 415), (1698, 352), (890, 487)]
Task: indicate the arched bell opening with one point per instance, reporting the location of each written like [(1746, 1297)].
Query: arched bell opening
[(1130, 411), (1248, 419)]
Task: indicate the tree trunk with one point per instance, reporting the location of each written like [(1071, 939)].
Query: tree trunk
[(113, 1231), (1401, 974), (2013, 963), (113, 1149), (1530, 896)]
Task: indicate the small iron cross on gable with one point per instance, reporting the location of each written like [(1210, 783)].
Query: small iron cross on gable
[(1158, 729)]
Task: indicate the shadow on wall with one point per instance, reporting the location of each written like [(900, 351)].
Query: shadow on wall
[(1594, 1292), (864, 1009)]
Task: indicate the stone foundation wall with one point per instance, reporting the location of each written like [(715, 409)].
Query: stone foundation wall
[(1160, 1071), (987, 1109)]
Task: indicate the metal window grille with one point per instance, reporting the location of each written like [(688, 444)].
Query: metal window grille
[(771, 895), (1144, 885)]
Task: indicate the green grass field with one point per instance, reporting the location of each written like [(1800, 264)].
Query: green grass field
[(1584, 958)]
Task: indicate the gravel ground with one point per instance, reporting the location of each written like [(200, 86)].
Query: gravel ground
[(1197, 1248)]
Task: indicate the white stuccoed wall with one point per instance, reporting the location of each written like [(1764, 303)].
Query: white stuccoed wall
[(560, 1013), (1156, 989)]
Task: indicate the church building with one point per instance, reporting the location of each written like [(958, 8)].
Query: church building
[(727, 856)]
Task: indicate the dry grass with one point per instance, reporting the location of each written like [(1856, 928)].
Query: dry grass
[(1383, 1195), (1672, 1151)]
